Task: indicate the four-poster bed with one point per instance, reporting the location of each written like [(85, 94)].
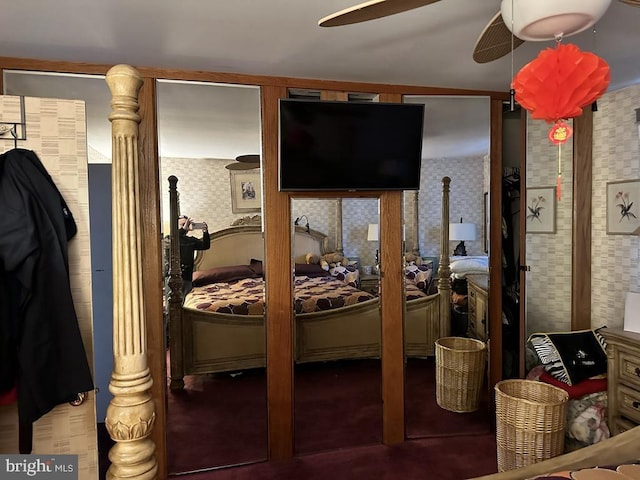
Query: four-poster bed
[(204, 341)]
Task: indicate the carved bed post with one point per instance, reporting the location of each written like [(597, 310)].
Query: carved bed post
[(131, 412), (416, 218), (339, 247), (175, 291), (444, 270)]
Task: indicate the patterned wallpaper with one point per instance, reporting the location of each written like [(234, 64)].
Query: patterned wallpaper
[(56, 132), (205, 190), (616, 156), (548, 287), (205, 195)]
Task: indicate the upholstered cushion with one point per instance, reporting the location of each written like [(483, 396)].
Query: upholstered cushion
[(571, 357)]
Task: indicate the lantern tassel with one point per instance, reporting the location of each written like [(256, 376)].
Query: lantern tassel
[(559, 182)]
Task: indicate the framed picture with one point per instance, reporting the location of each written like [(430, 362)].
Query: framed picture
[(541, 210), (623, 207), (245, 191)]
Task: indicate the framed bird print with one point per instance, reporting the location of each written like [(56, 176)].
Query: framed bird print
[(541, 210), (623, 207)]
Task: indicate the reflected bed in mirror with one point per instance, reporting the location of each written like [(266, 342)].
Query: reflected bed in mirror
[(205, 341)]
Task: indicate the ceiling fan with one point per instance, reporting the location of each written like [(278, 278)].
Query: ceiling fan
[(245, 162), (529, 20)]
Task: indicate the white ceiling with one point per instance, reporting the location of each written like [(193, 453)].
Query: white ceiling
[(429, 46)]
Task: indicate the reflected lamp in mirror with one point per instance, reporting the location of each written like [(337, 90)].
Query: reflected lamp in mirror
[(373, 235), (299, 219), (462, 232)]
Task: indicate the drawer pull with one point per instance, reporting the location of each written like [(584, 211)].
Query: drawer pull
[(635, 404), (637, 371)]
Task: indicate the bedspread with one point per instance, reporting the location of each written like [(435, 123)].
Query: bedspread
[(246, 296)]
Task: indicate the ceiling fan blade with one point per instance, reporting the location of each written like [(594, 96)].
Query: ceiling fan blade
[(370, 11), (634, 3), (495, 41), (250, 158), (242, 166)]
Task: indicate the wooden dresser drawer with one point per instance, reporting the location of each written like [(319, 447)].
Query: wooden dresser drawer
[(629, 403), (629, 368), (621, 425)]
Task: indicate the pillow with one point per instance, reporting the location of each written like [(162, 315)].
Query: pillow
[(256, 266), (462, 266), (580, 389), (222, 274), (310, 270), (349, 274), (571, 357), (419, 275)]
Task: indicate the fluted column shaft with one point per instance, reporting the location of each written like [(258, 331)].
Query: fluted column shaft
[(444, 269), (131, 412)]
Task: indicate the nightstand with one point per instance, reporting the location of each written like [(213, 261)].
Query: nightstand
[(478, 305), (369, 283), (623, 379)]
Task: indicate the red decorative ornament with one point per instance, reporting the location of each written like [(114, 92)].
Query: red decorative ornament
[(560, 133), (557, 84)]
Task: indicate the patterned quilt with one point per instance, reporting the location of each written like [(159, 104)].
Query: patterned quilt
[(246, 296)]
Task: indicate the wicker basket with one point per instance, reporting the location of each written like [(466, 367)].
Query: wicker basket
[(530, 422), (460, 364)]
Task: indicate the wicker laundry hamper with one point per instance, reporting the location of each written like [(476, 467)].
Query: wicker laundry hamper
[(460, 366), (530, 422)]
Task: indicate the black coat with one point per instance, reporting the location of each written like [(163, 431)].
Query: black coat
[(41, 346)]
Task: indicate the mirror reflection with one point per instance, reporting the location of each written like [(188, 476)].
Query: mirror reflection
[(337, 345), (456, 144), (209, 143)]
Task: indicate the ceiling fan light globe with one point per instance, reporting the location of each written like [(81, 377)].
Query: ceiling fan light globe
[(539, 20)]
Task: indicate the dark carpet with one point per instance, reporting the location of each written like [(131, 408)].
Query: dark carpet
[(221, 419)]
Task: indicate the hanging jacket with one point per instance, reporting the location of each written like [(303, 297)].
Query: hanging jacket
[(42, 350)]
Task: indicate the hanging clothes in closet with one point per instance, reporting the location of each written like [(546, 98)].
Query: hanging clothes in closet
[(42, 353), (510, 274)]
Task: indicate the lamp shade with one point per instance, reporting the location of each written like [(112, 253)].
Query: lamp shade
[(462, 231), (373, 232)]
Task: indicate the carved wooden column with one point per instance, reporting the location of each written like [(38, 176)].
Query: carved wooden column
[(175, 290), (339, 247), (444, 270), (416, 245), (131, 412)]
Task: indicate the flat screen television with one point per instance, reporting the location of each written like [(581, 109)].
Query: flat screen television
[(349, 146)]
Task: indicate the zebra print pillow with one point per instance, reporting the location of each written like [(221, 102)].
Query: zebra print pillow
[(571, 357)]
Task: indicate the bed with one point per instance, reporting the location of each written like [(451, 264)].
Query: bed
[(209, 336)]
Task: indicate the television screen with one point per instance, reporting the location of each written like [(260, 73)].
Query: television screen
[(350, 146)]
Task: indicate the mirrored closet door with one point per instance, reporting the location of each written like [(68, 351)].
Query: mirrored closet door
[(456, 144), (337, 376), (210, 175)]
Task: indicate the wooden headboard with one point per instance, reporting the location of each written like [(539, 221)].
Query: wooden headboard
[(238, 245)]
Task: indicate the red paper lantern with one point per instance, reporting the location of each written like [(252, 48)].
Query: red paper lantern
[(556, 85), (560, 81)]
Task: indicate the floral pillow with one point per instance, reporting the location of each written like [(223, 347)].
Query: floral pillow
[(348, 274), (419, 275)]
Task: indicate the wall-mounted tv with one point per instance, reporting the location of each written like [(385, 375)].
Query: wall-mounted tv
[(349, 146)]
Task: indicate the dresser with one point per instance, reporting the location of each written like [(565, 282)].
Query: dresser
[(478, 306), (623, 379)]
